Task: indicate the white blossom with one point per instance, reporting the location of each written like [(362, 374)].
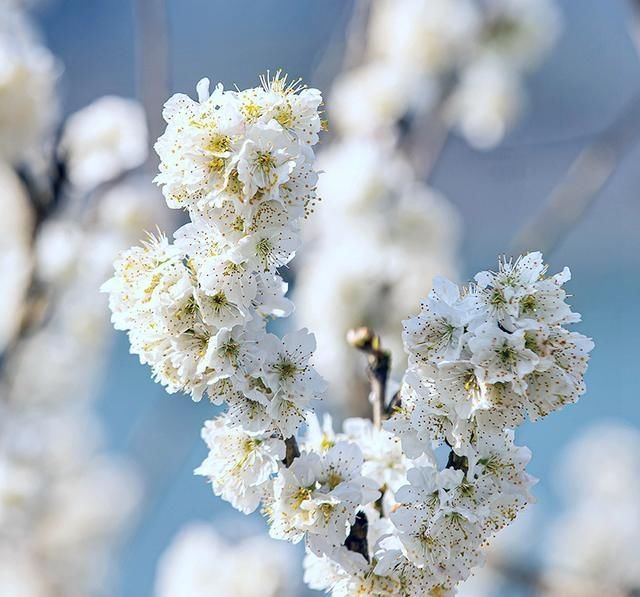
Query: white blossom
[(15, 252), (28, 77), (199, 563), (239, 463), (377, 508), (103, 140), (591, 548), (319, 495)]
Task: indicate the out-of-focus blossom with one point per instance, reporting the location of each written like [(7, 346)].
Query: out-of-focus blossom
[(15, 252), (28, 75), (398, 234), (199, 563), (57, 248), (519, 32), (486, 103), (63, 502), (593, 548), (373, 95), (104, 140), (62, 505), (19, 575), (463, 60), (423, 37), (131, 208)]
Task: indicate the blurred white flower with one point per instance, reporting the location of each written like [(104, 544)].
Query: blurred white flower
[(57, 248), (431, 36), (28, 75), (19, 574), (15, 252), (104, 140), (62, 505), (199, 563), (466, 56), (486, 102), (131, 208), (519, 32), (374, 96), (593, 547)]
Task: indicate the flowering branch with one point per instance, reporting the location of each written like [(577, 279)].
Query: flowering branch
[(377, 513)]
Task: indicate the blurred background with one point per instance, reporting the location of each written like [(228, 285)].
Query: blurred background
[(585, 90)]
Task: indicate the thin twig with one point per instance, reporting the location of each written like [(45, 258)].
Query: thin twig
[(394, 404), (152, 69), (570, 200), (379, 365), (356, 34)]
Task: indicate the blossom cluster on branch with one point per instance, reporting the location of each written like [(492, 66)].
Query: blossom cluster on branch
[(197, 309), (378, 508)]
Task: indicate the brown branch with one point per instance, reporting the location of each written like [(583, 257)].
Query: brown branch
[(357, 539), (292, 451), (379, 365), (394, 404), (459, 463)]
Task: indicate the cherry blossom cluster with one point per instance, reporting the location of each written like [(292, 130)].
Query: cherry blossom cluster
[(486, 357), (196, 310), (481, 359), (378, 508)]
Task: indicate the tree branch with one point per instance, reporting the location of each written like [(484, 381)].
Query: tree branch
[(152, 63), (379, 365), (571, 199), (357, 539), (292, 451)]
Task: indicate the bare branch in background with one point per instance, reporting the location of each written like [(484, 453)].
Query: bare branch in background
[(635, 23), (573, 196), (152, 63), (571, 199), (356, 34)]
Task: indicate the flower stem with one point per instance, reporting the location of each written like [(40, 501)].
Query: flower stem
[(379, 364)]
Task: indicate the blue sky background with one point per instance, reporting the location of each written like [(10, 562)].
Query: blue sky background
[(593, 72)]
